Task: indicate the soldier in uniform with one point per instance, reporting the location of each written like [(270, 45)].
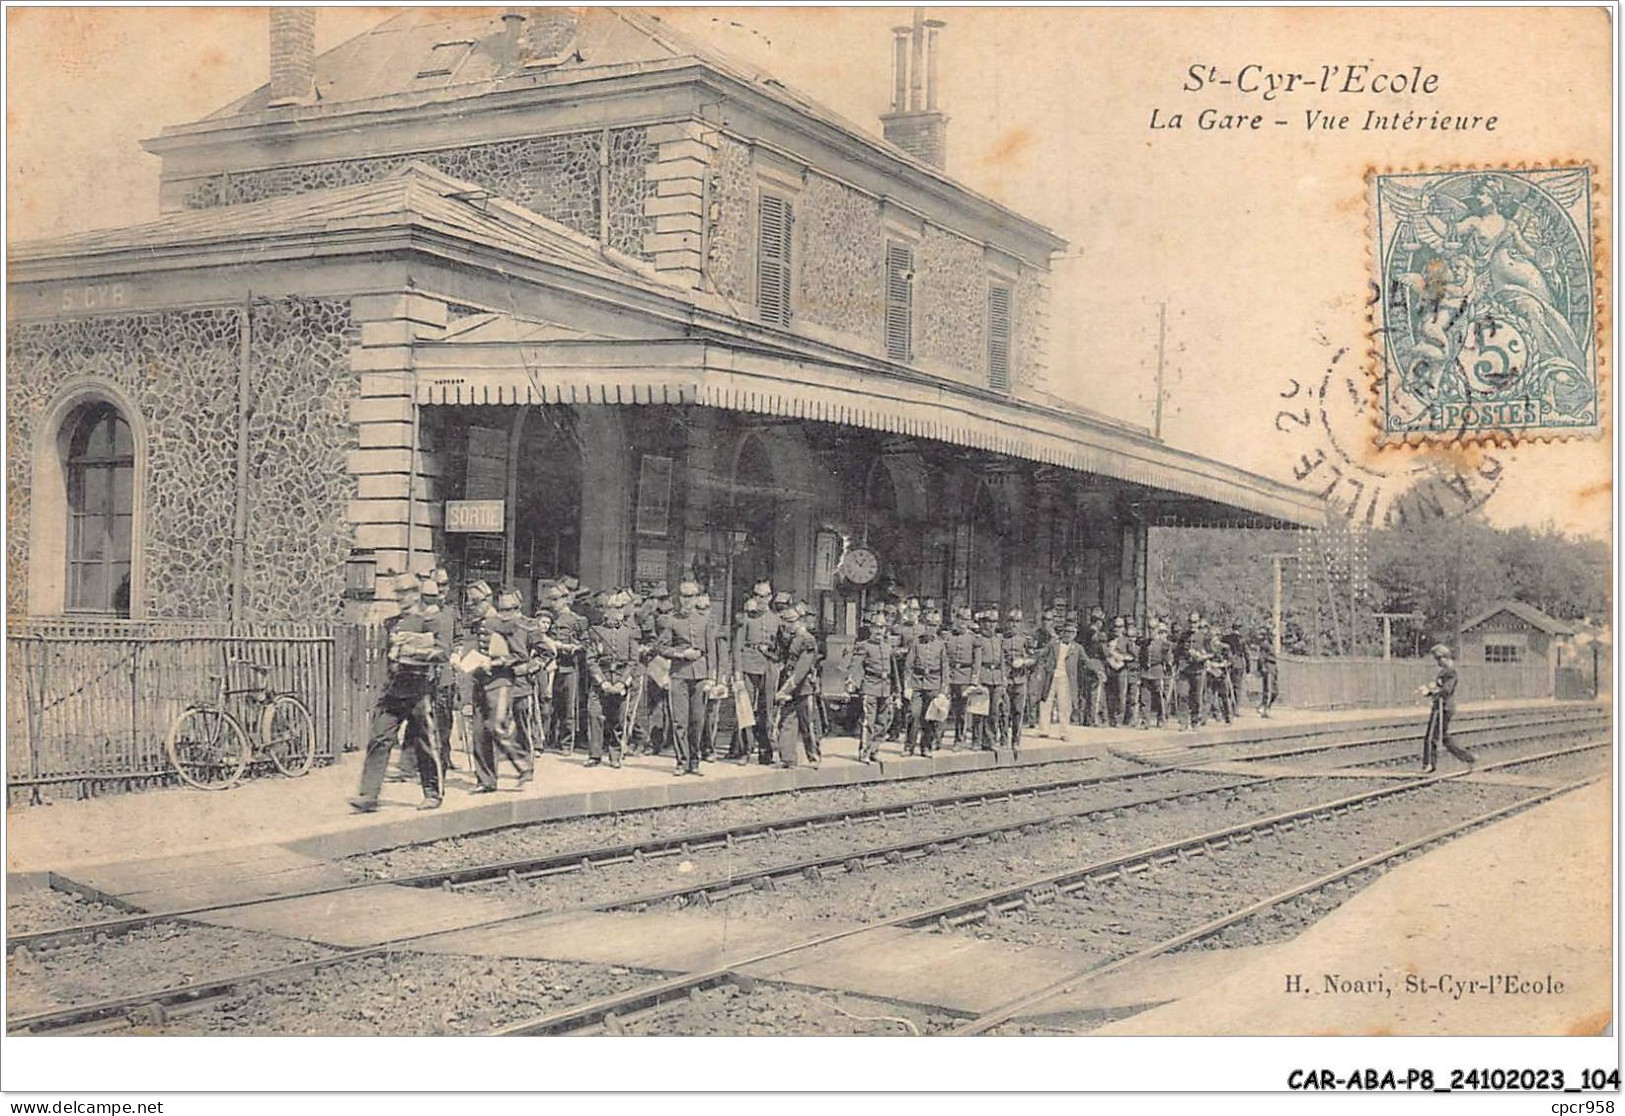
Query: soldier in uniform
[(544, 656), (1020, 656), (925, 675), (613, 653), (903, 637), (758, 670), (1235, 649), (569, 634), (798, 690), (1442, 710), (415, 652), (488, 635), (964, 664), (1156, 665), (1094, 669), (650, 728), (1192, 656), (521, 638), (437, 604), (684, 640), (869, 675), (1218, 676), (993, 674), (1116, 655), (1269, 679), (715, 689)]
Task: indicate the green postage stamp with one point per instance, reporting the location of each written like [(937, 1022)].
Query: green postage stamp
[(1485, 308)]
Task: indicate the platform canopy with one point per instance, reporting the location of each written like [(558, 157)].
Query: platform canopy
[(498, 361)]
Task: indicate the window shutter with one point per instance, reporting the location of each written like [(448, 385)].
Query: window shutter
[(998, 336), (776, 222), (899, 301)]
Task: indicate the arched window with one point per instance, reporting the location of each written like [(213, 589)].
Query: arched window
[(99, 468)]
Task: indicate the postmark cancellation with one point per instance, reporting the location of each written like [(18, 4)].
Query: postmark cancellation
[(1485, 310)]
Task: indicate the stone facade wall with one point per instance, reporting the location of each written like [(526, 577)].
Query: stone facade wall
[(1029, 335), (732, 261), (950, 302), (556, 176), (298, 435), (842, 271), (180, 368)]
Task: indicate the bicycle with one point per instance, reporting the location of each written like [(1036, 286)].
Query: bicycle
[(210, 748)]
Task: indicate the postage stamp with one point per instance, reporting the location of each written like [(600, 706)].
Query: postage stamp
[(1485, 309)]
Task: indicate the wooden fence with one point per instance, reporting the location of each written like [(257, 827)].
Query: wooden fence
[(90, 701), (1364, 683)]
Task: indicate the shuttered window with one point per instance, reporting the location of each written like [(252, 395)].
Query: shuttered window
[(998, 336), (775, 226), (899, 301)]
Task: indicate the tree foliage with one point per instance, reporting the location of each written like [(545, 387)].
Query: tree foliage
[(1448, 570)]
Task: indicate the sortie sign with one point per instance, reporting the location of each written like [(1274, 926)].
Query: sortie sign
[(475, 517)]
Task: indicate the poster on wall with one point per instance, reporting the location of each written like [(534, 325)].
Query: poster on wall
[(654, 496), (651, 567), (826, 555)]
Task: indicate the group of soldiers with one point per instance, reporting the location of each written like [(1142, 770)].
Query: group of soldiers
[(628, 673), (650, 674), (986, 677)]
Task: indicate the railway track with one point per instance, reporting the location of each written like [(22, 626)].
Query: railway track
[(614, 1013), (159, 1003), (1491, 735)]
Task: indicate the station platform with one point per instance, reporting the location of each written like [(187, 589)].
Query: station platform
[(309, 818)]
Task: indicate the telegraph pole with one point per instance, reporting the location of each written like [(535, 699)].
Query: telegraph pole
[(1275, 560)]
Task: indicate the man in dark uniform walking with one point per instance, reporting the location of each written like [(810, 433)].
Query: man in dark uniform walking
[(1443, 709), (414, 655), (798, 690), (491, 668)]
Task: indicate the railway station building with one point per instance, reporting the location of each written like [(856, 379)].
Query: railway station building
[(544, 292)]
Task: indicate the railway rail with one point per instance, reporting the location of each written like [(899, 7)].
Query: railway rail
[(157, 1003), (1498, 733), (613, 1013)]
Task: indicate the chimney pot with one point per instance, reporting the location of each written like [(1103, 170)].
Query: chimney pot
[(915, 123), (293, 56)]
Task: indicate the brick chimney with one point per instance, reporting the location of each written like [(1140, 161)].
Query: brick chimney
[(914, 122), (293, 56), (552, 31)]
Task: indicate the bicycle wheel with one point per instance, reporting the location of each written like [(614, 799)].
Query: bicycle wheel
[(289, 735), (208, 748)]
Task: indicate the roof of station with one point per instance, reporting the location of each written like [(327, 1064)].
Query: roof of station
[(712, 357)]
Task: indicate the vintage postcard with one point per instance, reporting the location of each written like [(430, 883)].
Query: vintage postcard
[(784, 522)]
